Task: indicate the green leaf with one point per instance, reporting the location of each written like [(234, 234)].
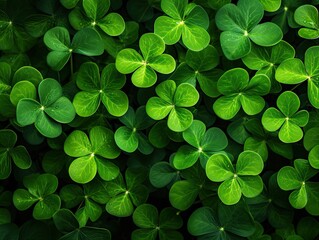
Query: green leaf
[(235, 45), (103, 144), (183, 194), (288, 103), (194, 133), (170, 219), (5, 163), (291, 71), (251, 186), (157, 108), (88, 77), (311, 138), (144, 77), (151, 45), (22, 89), (120, 206), (239, 78), (65, 221), (231, 18), (168, 29), (266, 34), (96, 9), (87, 42), (290, 132), (83, 170), (145, 216), (77, 144), (21, 157), (229, 192), (288, 178), (27, 111), (61, 110), (163, 63), (161, 174), (57, 39), (194, 37), (226, 107), (186, 95), (166, 90), (313, 157), (23, 200), (50, 91), (307, 16), (249, 163), (128, 60), (86, 103), (204, 60), (272, 119), (185, 157), (45, 208), (311, 60), (47, 127), (144, 234), (57, 60), (214, 140), (253, 12), (179, 119), (298, 198), (8, 138), (219, 168), (126, 139), (271, 5), (174, 8)]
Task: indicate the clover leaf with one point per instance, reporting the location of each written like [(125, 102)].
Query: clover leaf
[(94, 14), (91, 154), (200, 66), (163, 174), (202, 144), (154, 226), (288, 119), (88, 200), (144, 66), (40, 190), (67, 223), (97, 89), (127, 194), (189, 21), (236, 181), (5, 77), (130, 137), (307, 17), (239, 92), (266, 60), (305, 193), (240, 25), (87, 42), (48, 113), (9, 152), (260, 140), (271, 5), (294, 71), (226, 222), (171, 102)]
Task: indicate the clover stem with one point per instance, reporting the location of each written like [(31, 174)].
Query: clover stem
[(295, 86), (71, 65)]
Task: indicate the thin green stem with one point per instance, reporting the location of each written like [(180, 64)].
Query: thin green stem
[(71, 65), (296, 86)]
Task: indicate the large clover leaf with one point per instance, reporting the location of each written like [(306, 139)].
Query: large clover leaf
[(266, 60), (130, 137), (94, 14), (202, 144), (48, 113), (307, 16), (153, 225), (9, 152), (239, 92), (200, 67), (127, 194), (305, 193), (288, 119), (294, 71), (86, 42), (236, 181), (41, 190), (91, 154), (97, 89), (226, 222), (144, 66), (171, 102), (189, 21), (240, 25)]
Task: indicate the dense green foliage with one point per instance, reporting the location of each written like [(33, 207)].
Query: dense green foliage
[(159, 119)]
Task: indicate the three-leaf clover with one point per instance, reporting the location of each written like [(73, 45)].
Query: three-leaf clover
[(239, 92), (91, 154), (240, 25), (67, 223), (130, 137), (225, 222), (144, 66), (94, 15), (172, 102), (48, 113), (41, 190), (189, 21), (294, 71), (200, 66), (97, 89), (305, 193), (127, 194), (202, 144), (154, 225), (236, 181), (307, 17), (87, 42), (9, 152), (266, 60), (288, 119)]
